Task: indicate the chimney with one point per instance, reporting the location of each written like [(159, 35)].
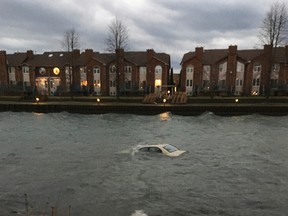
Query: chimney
[(3, 68), (29, 54), (88, 53), (150, 55), (286, 52), (267, 48), (199, 53), (232, 50), (76, 53)]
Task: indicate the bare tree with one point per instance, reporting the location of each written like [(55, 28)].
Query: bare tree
[(273, 32), (117, 37), (116, 40), (274, 26), (70, 43)]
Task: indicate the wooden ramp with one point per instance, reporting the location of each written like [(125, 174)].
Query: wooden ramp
[(151, 98), (177, 98)]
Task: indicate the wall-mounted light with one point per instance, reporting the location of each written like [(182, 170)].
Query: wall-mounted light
[(56, 70), (164, 101)]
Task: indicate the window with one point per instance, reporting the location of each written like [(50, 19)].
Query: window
[(239, 82), (128, 84), (257, 68), (276, 68), (25, 69), (256, 82), (113, 69), (82, 69), (158, 69), (189, 82), (96, 70), (155, 149), (143, 85), (97, 83), (112, 83), (222, 83), (128, 69), (240, 67), (222, 74), (190, 69), (223, 67), (274, 83)]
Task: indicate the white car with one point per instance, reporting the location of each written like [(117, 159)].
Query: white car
[(165, 149)]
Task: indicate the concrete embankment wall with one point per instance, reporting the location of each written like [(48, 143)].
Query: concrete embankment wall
[(142, 109)]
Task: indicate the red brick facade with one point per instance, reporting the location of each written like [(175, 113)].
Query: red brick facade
[(232, 63), (90, 71), (3, 68)]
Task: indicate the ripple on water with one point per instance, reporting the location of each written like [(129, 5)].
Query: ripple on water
[(234, 165)]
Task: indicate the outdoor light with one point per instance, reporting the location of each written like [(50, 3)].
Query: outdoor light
[(37, 99), (236, 100), (168, 92), (98, 101), (164, 101)]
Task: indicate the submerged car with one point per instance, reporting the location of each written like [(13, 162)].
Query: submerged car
[(165, 149)]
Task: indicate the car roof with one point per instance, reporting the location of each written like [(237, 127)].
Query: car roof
[(155, 145)]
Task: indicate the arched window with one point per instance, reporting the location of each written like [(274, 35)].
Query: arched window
[(190, 69), (158, 69), (112, 69)]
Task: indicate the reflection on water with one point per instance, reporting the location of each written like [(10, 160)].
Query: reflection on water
[(235, 166), (139, 213), (165, 116)]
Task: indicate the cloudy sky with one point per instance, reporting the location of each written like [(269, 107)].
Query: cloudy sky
[(171, 26)]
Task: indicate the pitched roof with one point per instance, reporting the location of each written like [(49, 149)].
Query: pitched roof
[(209, 56), (215, 55), (49, 59), (16, 59), (138, 58), (249, 55)]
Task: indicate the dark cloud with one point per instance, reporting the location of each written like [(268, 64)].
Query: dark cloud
[(168, 26)]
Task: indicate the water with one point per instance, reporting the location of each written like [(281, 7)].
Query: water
[(235, 165)]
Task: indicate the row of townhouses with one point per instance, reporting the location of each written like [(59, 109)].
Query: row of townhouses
[(54, 73), (203, 72), (235, 72)]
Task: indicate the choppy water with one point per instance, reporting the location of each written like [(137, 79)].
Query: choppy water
[(235, 165)]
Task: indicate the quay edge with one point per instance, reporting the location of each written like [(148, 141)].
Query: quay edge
[(222, 109)]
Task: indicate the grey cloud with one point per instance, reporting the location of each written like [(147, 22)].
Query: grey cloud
[(168, 26)]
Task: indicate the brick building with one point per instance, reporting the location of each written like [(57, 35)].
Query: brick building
[(234, 72), (53, 73)]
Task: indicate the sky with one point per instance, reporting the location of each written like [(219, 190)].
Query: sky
[(171, 26)]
